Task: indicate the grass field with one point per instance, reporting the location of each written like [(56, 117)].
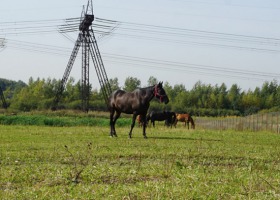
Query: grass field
[(82, 162)]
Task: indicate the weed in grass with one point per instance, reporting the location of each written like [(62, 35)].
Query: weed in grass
[(79, 163)]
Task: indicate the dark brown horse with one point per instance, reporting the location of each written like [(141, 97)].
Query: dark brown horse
[(168, 117), (136, 103), (186, 118)]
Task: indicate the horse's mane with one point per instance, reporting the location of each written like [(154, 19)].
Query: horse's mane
[(145, 88), (135, 90)]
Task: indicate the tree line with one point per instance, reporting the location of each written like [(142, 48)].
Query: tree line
[(202, 100)]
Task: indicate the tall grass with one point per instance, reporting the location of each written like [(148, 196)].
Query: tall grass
[(59, 120), (41, 162)]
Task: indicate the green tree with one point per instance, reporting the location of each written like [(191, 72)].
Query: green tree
[(268, 92), (222, 101), (72, 91), (234, 97), (114, 83), (169, 91), (131, 84), (30, 97), (202, 93), (181, 102), (152, 81), (176, 94), (249, 103)]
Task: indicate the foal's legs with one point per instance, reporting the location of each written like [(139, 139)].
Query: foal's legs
[(144, 126), (132, 125)]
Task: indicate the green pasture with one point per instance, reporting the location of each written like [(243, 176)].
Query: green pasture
[(83, 162)]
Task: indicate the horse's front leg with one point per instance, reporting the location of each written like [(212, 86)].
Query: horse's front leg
[(188, 124), (132, 125)]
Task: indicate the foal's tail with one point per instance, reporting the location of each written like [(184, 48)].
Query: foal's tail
[(192, 122)]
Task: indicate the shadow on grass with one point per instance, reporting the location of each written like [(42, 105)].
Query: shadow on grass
[(183, 138)]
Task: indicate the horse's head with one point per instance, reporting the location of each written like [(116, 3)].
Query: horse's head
[(160, 94)]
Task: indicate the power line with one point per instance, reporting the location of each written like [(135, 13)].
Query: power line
[(151, 63), (195, 68), (155, 33), (226, 3)]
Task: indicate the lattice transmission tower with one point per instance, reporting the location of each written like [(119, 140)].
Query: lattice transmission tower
[(2, 44), (4, 103), (87, 41), (2, 97)]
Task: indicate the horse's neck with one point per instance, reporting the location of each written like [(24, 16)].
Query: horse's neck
[(149, 93)]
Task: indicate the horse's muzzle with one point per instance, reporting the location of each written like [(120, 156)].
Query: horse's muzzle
[(166, 100)]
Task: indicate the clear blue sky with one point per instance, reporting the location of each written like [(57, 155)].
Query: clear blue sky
[(176, 41)]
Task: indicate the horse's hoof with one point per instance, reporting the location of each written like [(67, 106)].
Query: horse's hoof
[(145, 137)]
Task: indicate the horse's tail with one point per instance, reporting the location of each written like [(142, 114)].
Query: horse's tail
[(192, 122)]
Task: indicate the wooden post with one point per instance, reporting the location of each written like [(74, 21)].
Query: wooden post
[(277, 123)]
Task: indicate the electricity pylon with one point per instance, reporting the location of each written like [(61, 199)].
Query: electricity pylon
[(4, 104), (87, 41)]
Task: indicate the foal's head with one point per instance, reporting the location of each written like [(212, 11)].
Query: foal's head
[(160, 94)]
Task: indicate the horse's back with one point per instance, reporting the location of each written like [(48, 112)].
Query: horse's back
[(155, 116), (116, 94), (113, 97), (126, 102), (182, 117)]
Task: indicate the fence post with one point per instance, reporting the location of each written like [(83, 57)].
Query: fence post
[(266, 122), (277, 127), (271, 119), (257, 129), (278, 122)]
